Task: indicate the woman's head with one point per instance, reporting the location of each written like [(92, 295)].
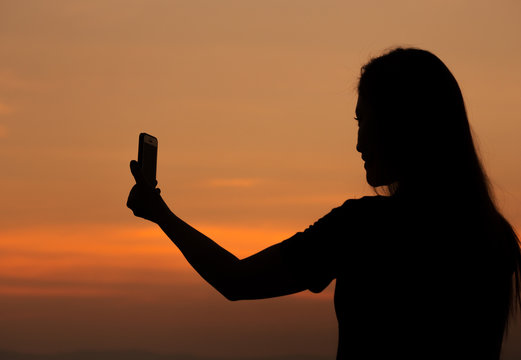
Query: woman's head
[(413, 124)]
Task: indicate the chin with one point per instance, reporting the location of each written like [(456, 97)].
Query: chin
[(376, 181)]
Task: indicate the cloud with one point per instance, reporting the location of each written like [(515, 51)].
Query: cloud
[(232, 182), (107, 260), (84, 261)]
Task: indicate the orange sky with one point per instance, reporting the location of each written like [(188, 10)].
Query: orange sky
[(252, 103)]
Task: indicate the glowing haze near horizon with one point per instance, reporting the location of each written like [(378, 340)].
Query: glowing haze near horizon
[(252, 103)]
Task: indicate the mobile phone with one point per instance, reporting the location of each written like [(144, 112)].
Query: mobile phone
[(147, 157)]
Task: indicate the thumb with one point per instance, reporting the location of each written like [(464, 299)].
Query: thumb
[(136, 171)]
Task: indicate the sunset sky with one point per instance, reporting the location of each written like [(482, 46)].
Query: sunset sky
[(253, 105)]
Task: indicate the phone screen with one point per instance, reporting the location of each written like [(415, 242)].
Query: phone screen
[(147, 157)]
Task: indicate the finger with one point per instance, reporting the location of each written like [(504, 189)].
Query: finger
[(137, 213), (130, 202), (136, 171), (131, 198)]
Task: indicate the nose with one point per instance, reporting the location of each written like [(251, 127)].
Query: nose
[(361, 139)]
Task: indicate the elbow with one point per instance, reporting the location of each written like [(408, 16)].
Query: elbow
[(231, 294), (233, 290), (232, 285), (231, 297)]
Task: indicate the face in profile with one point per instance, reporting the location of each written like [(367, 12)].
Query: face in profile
[(371, 145)]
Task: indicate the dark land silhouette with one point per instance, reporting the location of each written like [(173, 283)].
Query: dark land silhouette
[(140, 355)]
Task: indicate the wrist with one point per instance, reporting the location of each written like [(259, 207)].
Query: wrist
[(164, 216)]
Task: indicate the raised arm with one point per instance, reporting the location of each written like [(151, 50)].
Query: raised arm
[(259, 276)]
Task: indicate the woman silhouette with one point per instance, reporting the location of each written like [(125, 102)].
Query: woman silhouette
[(431, 270)]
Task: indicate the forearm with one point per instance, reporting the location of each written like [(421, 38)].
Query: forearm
[(215, 264)]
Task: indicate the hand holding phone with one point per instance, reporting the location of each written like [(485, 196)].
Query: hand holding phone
[(144, 199)]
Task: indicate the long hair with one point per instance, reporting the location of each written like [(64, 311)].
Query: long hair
[(424, 125)]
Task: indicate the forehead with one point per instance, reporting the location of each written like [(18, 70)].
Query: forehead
[(361, 105)]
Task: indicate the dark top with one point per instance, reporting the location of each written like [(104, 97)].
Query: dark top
[(411, 283)]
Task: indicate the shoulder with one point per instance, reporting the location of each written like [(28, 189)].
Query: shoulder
[(354, 212), (370, 203)]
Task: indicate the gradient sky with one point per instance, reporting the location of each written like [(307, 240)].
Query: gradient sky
[(253, 105)]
